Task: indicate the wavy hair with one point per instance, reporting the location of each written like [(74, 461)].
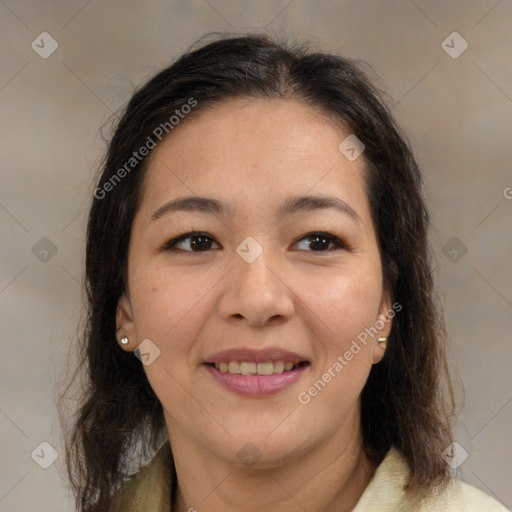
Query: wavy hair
[(408, 399)]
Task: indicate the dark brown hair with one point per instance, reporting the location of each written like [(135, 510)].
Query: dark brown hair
[(407, 401)]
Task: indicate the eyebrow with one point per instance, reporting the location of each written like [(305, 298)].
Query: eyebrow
[(292, 205)]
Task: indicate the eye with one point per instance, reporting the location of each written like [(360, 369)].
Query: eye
[(321, 241), (200, 241)]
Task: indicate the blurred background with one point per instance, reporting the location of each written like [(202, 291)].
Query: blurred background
[(66, 67)]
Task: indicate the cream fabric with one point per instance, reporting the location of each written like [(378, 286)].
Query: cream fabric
[(385, 493), (150, 491)]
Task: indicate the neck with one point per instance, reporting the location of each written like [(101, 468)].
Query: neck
[(329, 478)]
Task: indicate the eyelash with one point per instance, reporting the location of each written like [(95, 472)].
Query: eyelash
[(170, 245)]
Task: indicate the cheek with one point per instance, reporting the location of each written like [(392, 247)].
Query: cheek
[(346, 308), (346, 303), (168, 307)]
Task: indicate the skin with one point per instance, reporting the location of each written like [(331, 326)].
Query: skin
[(253, 154)]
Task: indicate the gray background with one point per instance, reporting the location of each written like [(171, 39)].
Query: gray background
[(457, 112)]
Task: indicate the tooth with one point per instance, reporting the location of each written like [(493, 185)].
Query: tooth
[(265, 368), (247, 368), (234, 367), (252, 368), (278, 366)]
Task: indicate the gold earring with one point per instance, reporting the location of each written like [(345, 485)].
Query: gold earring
[(124, 340), (383, 342)]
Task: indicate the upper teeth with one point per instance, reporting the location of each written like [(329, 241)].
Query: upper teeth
[(252, 368)]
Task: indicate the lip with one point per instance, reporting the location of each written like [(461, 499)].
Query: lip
[(256, 356), (257, 385)]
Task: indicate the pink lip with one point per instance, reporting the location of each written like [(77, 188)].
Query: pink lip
[(257, 385), (257, 356)]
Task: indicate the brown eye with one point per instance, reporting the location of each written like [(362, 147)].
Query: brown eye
[(320, 242), (202, 242), (196, 241)]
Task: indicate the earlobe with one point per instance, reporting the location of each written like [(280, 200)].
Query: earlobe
[(380, 346), (383, 324), (125, 326)]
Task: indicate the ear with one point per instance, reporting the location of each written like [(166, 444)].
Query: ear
[(125, 325), (383, 323)]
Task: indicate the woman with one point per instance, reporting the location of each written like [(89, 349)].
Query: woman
[(262, 324)]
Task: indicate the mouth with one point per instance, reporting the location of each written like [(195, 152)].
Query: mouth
[(256, 373)]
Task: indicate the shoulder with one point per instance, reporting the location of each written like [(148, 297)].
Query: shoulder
[(149, 489), (385, 493)]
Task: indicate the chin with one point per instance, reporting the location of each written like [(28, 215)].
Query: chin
[(259, 449)]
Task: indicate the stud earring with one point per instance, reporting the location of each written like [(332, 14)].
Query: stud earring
[(383, 342), (124, 340)]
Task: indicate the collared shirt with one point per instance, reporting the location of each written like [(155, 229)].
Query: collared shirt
[(150, 490)]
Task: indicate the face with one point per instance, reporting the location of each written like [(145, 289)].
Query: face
[(268, 281)]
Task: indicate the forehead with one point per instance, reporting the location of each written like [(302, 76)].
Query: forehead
[(254, 153)]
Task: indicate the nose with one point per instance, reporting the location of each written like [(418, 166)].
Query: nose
[(257, 292)]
